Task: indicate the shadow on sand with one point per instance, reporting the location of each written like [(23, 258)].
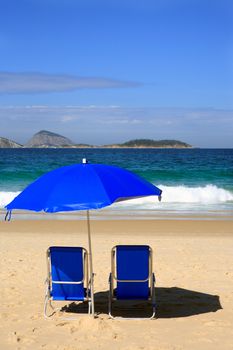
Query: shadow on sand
[(171, 303)]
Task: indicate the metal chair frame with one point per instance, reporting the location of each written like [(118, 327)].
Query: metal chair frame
[(49, 281), (113, 279)]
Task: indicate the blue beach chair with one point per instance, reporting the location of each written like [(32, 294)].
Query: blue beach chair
[(131, 277), (67, 278)]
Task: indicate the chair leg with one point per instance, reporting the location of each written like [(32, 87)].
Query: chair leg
[(153, 309), (45, 306), (131, 318), (89, 306), (153, 298), (47, 301), (110, 305), (110, 292), (146, 318)]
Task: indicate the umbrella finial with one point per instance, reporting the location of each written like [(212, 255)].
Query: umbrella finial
[(84, 161)]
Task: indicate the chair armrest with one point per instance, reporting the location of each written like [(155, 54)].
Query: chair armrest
[(47, 287), (110, 282), (47, 282), (93, 275), (110, 278)]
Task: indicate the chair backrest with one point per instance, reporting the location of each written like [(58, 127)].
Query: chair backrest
[(133, 264), (67, 265)]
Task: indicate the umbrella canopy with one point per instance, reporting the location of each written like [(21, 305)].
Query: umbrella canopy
[(82, 187)]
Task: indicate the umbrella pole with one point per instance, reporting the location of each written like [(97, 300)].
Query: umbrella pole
[(90, 262)]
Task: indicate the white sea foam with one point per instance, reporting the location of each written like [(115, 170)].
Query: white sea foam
[(209, 194), (7, 197)]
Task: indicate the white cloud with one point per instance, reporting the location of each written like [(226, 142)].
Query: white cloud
[(113, 124), (35, 82), (68, 118)]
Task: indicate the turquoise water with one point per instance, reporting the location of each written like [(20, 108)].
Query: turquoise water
[(192, 180)]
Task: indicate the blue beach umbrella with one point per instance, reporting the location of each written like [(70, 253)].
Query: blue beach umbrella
[(82, 187)]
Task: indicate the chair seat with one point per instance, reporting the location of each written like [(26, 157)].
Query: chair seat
[(126, 294), (74, 298), (78, 297)]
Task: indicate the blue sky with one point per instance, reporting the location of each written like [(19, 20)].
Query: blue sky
[(105, 71)]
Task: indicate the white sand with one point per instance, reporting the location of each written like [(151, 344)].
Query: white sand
[(193, 262)]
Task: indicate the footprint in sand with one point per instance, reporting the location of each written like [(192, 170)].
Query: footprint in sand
[(62, 324), (16, 337), (73, 330)]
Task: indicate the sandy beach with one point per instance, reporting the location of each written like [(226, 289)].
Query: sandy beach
[(193, 263)]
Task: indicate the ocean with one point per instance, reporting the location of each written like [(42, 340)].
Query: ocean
[(195, 182)]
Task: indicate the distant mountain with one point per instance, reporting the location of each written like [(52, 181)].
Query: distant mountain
[(44, 139), (148, 143), (6, 143), (47, 139)]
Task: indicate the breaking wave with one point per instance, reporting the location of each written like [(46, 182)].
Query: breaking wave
[(209, 194)]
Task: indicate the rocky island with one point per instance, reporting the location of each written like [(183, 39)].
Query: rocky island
[(6, 143), (148, 143), (48, 139)]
